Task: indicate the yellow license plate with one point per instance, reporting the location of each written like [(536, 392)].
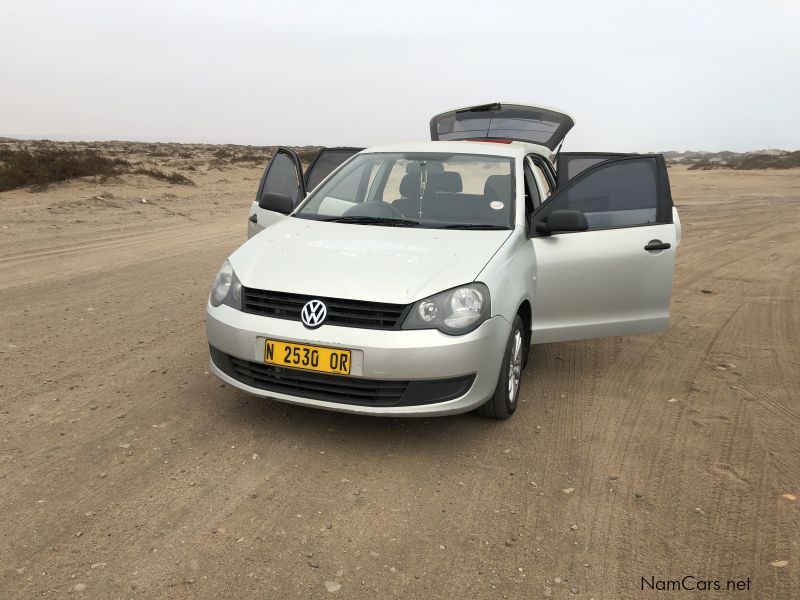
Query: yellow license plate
[(310, 358)]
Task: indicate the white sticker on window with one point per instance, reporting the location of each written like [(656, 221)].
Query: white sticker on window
[(496, 204)]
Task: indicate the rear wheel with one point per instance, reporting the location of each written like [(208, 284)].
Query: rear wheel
[(504, 401)]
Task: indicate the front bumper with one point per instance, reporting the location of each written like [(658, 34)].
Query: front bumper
[(420, 357)]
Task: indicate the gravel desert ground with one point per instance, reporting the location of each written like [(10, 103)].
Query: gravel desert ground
[(128, 471)]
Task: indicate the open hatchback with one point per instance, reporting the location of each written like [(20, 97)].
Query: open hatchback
[(494, 122)]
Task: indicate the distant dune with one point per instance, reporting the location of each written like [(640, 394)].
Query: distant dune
[(38, 163), (744, 161)]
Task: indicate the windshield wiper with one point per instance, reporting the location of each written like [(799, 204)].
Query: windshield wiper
[(375, 221), (472, 226)]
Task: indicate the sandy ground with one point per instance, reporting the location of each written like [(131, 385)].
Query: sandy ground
[(126, 470)]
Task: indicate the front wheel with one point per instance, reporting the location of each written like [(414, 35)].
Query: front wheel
[(503, 402)]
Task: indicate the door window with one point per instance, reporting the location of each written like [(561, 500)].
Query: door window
[(620, 193), (326, 161), (282, 177), (572, 164)]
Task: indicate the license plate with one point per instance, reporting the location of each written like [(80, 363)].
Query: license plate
[(304, 356)]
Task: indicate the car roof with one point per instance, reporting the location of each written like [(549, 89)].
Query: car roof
[(512, 149)]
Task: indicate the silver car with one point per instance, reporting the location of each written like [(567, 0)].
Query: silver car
[(413, 280)]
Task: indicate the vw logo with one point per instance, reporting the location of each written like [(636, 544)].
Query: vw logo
[(313, 313)]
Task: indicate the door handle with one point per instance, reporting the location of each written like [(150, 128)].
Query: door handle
[(254, 219), (656, 245)]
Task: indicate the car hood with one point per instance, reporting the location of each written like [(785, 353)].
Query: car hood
[(363, 262)]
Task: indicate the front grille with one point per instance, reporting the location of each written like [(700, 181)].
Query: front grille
[(347, 313), (319, 386), (340, 388)]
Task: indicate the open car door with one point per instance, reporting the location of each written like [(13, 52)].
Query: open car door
[(284, 185), (500, 121), (325, 162), (604, 246), (280, 190)]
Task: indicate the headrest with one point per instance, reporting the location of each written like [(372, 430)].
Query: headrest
[(448, 181), (409, 185), (431, 167), (498, 187)]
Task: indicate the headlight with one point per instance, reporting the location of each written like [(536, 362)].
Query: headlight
[(226, 288), (455, 311)]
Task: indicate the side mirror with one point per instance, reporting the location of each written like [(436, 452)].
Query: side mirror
[(562, 220), (276, 202)]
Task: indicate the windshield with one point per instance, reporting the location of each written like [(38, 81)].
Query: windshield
[(433, 190)]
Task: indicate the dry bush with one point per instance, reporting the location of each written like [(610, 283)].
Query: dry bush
[(306, 153), (748, 162), (21, 167), (41, 165), (173, 177), (250, 158), (790, 160)]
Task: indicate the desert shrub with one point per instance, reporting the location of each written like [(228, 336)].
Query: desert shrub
[(704, 165), (219, 165), (306, 153), (250, 158), (21, 167), (173, 177), (750, 161), (790, 160)]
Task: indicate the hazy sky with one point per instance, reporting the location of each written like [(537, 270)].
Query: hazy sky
[(635, 75)]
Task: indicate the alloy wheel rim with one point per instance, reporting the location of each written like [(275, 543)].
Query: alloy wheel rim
[(515, 368)]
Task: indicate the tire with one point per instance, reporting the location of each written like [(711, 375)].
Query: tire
[(504, 401)]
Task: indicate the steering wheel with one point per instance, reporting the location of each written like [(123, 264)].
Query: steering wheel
[(376, 208), (395, 212)]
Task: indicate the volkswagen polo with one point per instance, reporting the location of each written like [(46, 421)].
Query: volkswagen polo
[(414, 279)]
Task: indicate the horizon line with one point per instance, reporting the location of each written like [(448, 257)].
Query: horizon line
[(81, 139)]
